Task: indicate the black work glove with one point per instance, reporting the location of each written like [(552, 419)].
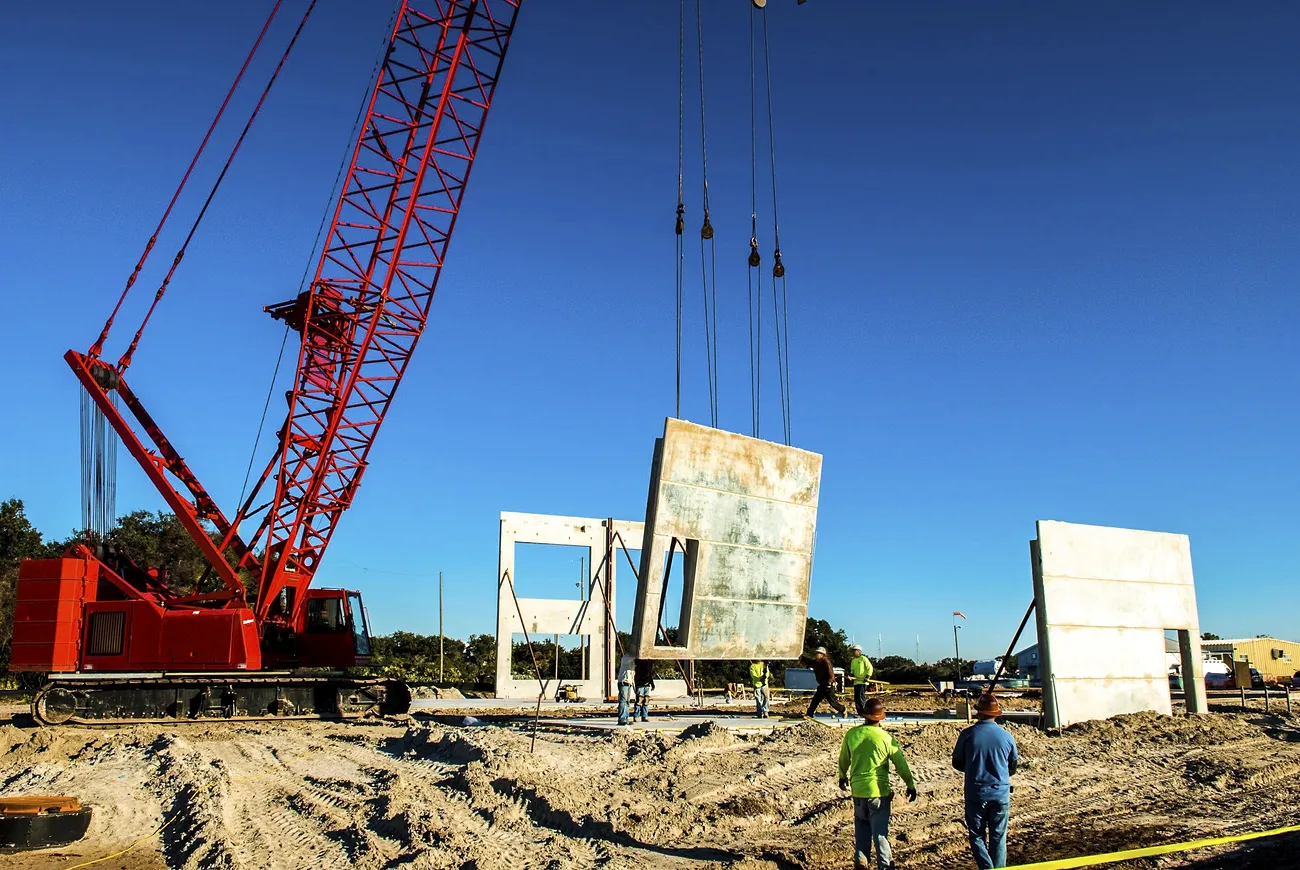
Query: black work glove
[(911, 795), (844, 783)]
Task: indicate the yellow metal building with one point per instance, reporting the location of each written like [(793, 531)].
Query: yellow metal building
[(1275, 659)]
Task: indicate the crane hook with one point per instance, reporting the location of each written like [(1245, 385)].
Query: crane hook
[(706, 231), (778, 268), (754, 257)]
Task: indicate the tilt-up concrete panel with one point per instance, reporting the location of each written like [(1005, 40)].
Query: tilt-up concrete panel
[(739, 515), (592, 614), (1104, 598)]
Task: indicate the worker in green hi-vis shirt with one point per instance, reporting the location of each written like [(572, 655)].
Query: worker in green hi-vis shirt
[(860, 671), (865, 756)]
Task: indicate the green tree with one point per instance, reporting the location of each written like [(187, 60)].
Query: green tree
[(19, 540), (1209, 635)]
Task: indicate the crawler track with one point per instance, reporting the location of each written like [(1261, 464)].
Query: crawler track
[(235, 697)]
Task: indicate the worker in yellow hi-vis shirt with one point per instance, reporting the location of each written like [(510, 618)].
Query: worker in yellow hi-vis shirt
[(860, 670), (865, 756)]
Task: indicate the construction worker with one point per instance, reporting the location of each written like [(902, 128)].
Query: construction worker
[(825, 674), (865, 756), (644, 676), (986, 753), (758, 677), (626, 687), (860, 670)]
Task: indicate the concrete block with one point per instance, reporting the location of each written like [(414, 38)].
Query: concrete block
[(742, 515)]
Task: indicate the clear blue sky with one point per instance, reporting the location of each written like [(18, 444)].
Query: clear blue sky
[(1043, 259)]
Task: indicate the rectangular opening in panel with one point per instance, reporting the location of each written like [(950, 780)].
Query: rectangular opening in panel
[(557, 571), (559, 657), (675, 601)]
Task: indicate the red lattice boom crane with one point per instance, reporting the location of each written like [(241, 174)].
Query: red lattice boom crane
[(119, 641)]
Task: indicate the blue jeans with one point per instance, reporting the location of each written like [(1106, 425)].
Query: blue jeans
[(625, 695), (642, 704), (761, 700), (871, 826), (986, 823)]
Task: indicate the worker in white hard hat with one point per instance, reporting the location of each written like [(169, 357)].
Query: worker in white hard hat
[(860, 670), (825, 673)]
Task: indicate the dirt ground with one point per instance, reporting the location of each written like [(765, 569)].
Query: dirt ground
[(411, 793)]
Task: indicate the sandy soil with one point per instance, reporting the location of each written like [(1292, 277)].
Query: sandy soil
[(409, 793)]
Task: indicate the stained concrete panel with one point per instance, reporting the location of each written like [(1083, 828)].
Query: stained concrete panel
[(1104, 598), (743, 514)]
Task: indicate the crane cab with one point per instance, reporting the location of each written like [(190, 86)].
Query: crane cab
[(332, 631)]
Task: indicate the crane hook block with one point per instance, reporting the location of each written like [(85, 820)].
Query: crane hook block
[(681, 221), (778, 268), (706, 231), (754, 257)]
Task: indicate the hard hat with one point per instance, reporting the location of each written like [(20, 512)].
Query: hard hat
[(857, 647), (821, 650), (987, 707), (875, 710)]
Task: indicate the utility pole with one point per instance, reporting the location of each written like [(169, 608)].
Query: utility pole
[(582, 596), (918, 649), (955, 646), (442, 660), (557, 658)]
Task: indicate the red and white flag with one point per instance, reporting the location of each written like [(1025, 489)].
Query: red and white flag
[(959, 613)]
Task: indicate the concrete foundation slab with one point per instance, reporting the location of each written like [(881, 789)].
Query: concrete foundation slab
[(1104, 599), (741, 515)]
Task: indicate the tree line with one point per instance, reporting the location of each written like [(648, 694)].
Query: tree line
[(160, 541)]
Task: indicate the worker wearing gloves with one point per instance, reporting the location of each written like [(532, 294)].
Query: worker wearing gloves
[(758, 677), (860, 669), (626, 687), (644, 675), (986, 753), (865, 756), (825, 674)]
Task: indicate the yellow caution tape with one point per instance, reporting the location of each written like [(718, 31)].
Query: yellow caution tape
[(1149, 851)]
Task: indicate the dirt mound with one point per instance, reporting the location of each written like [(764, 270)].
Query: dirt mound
[(403, 792), (1203, 730)]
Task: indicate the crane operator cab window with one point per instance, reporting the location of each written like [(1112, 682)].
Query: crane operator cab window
[(326, 615), (360, 632)]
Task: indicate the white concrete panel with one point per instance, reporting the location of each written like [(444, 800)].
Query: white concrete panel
[(1105, 553), (1104, 598), (1108, 653), (543, 616), (1120, 603), (1101, 699), (603, 539)]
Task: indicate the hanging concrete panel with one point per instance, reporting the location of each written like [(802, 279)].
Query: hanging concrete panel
[(739, 516), (1104, 599)]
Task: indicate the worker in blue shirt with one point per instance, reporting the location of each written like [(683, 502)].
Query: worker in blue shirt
[(986, 753)]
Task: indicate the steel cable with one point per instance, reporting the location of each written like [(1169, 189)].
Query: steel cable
[(125, 360)]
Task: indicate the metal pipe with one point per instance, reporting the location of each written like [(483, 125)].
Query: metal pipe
[(1011, 647)]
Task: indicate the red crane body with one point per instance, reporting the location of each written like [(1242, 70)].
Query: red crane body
[(359, 321)]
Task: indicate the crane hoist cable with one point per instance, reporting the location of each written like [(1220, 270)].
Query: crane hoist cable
[(98, 346), (755, 258), (326, 213), (708, 261), (781, 307), (681, 205), (124, 361)]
